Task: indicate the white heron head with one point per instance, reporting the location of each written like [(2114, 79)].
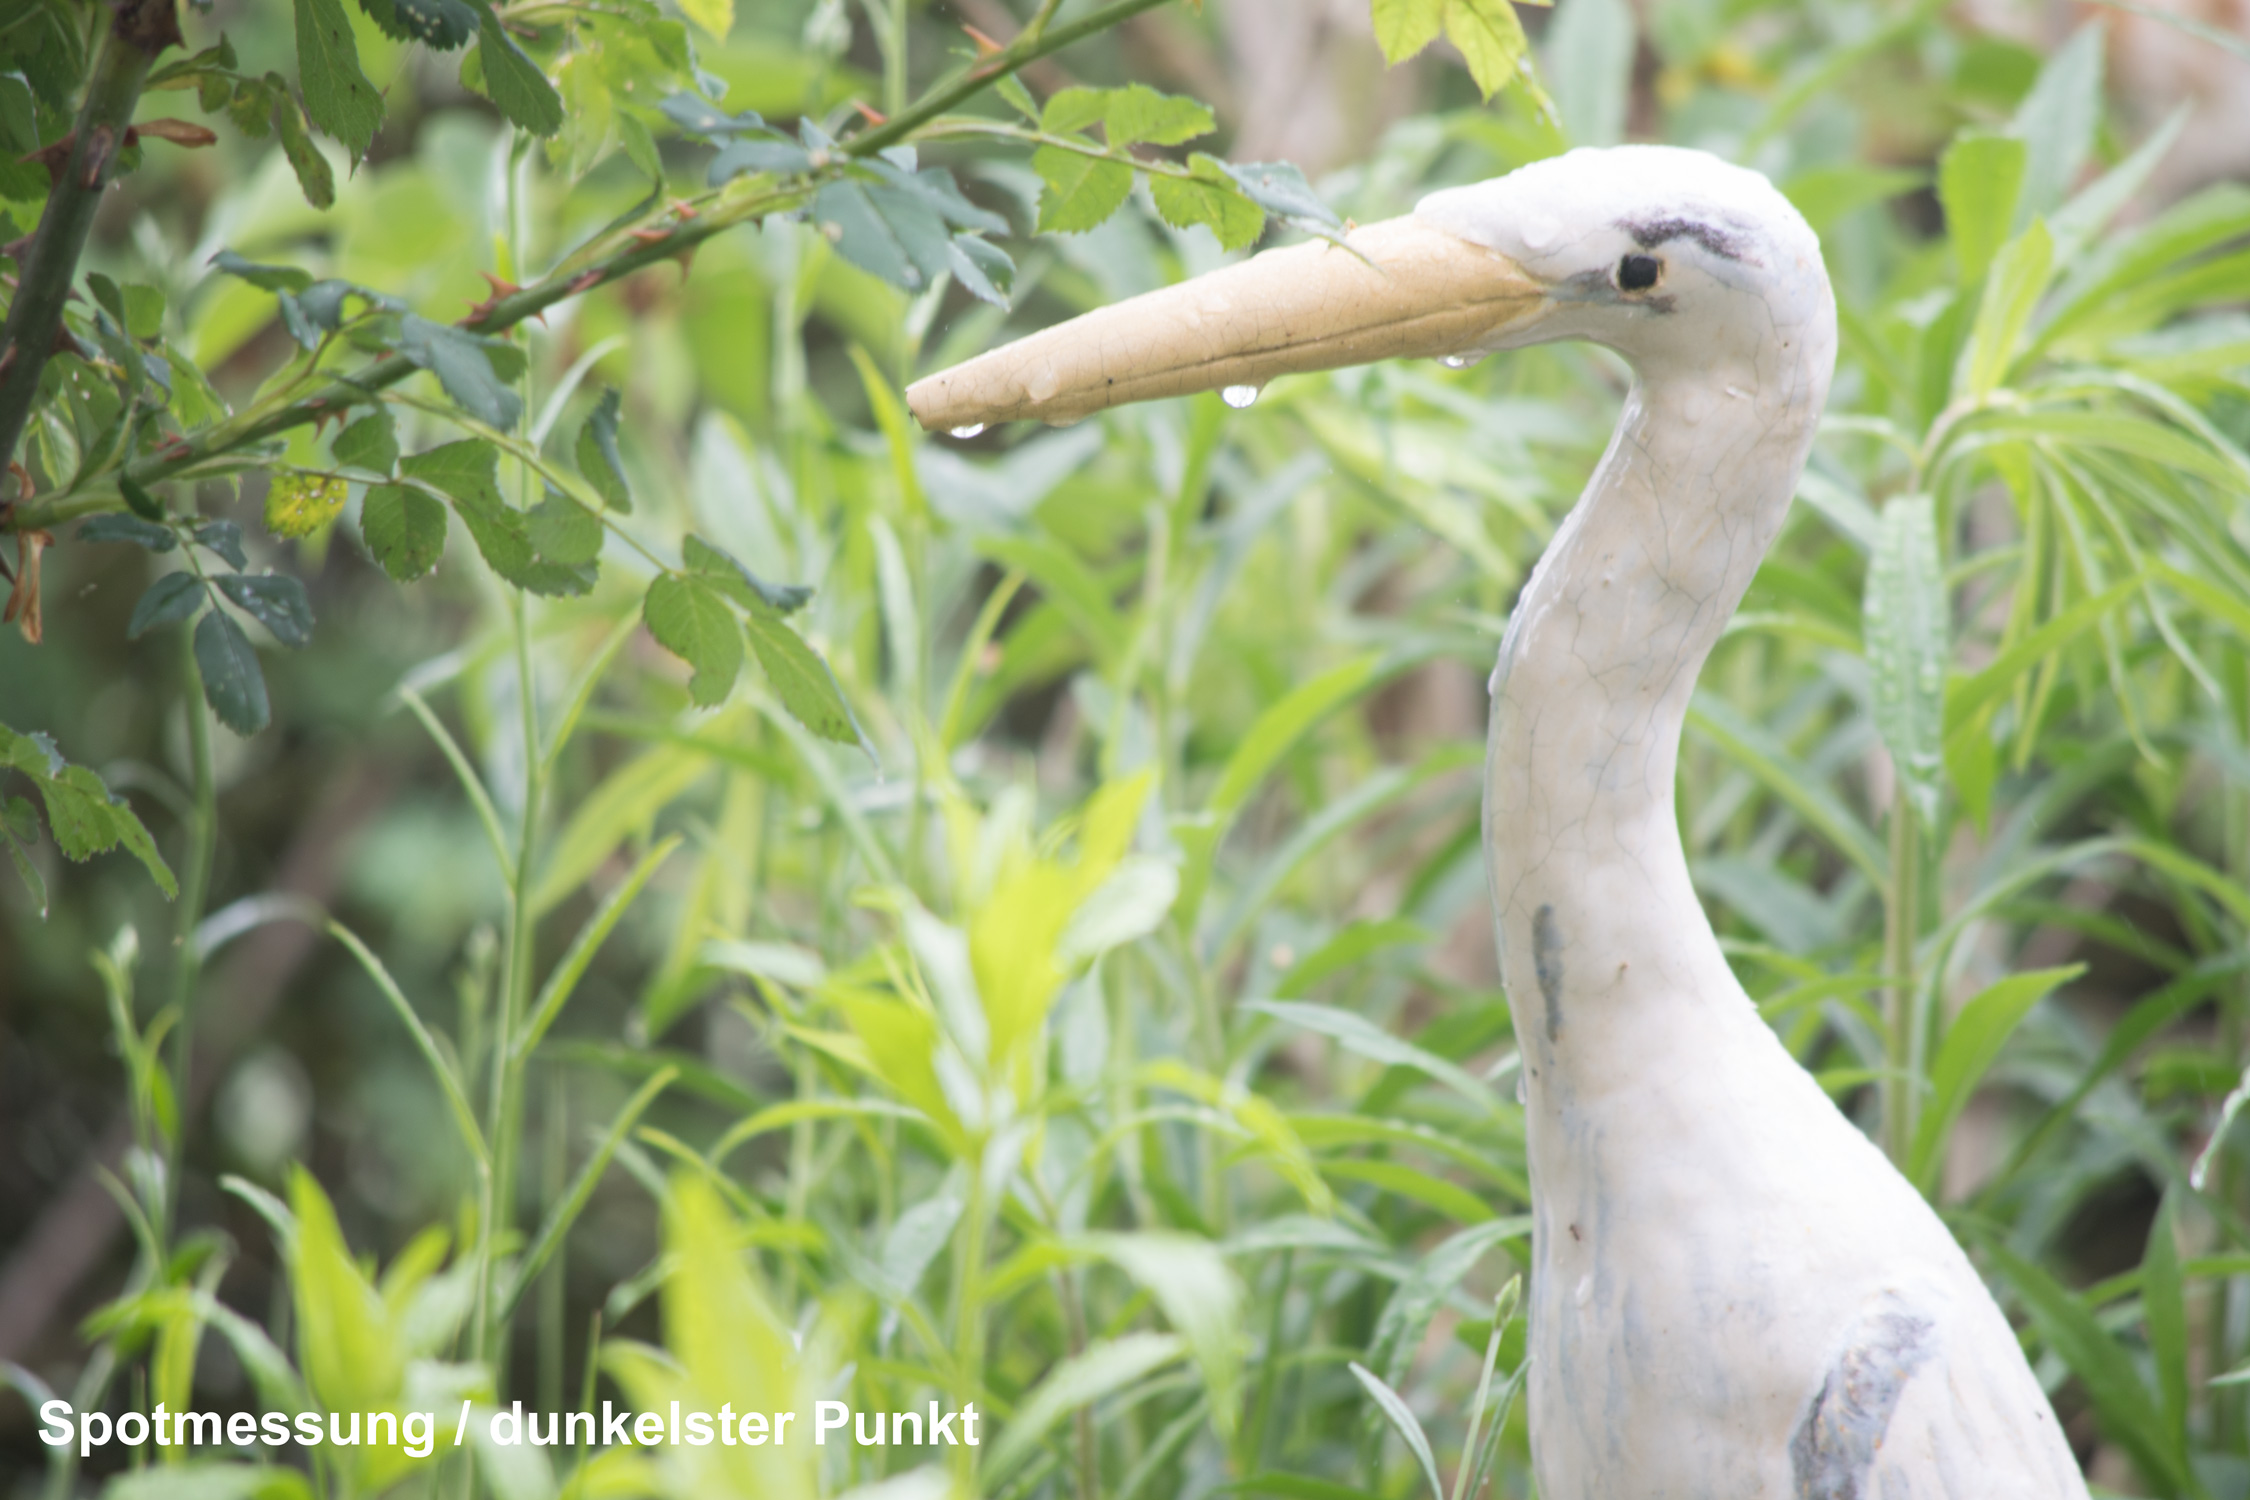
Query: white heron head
[(1660, 253), (1669, 256)]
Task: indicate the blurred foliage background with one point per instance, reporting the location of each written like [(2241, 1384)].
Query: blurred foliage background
[(1083, 1005)]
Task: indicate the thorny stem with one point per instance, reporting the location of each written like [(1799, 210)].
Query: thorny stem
[(140, 30), (704, 219)]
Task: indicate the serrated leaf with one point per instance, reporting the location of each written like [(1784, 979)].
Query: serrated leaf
[(1904, 619), (598, 459), (369, 443), (1073, 109), (1405, 27), (1211, 199), (515, 83), (1491, 40), (1980, 178), (802, 680), (1138, 113), (443, 24), (144, 310), (1280, 188), (224, 538), (564, 531), (884, 231), (167, 601), (983, 268), (1078, 192), (275, 601), (81, 812), (299, 503), (462, 363), (465, 471), (1018, 97), (731, 578), (691, 620), (315, 178), (117, 528), (404, 529), (337, 94), (232, 683)]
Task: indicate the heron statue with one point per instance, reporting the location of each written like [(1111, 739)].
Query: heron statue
[(1734, 1294)]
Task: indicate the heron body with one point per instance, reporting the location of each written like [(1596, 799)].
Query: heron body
[(1734, 1294)]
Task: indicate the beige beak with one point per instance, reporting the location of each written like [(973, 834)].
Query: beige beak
[(1412, 290)]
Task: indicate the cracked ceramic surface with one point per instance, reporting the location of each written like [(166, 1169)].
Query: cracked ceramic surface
[(1734, 1294)]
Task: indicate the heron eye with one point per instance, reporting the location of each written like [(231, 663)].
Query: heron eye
[(1637, 273)]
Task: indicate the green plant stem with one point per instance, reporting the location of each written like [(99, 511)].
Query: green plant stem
[(138, 31), (1902, 1033), (504, 1127), (187, 914)]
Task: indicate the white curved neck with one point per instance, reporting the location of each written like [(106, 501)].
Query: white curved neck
[(1590, 885)]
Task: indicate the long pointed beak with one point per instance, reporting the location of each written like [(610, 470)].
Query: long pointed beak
[(1412, 290)]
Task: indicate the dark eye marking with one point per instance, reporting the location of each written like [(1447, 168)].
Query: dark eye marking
[(1637, 273), (1724, 243)]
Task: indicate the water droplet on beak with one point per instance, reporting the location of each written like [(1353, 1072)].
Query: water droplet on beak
[(1239, 396), (965, 433)]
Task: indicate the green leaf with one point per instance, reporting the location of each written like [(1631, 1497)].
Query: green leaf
[(598, 458), (1079, 1381), (564, 531), (300, 502), (337, 94), (1071, 110), (690, 619), (1280, 188), (315, 178), (143, 504), (737, 582), (1210, 198), (1405, 27), (514, 82), (2018, 279), (466, 471), (1406, 1316), (232, 683), (223, 538), (209, 1481), (1402, 1420), (1972, 1044), (1190, 1280), (2110, 1375), (1590, 46), (2164, 1311), (462, 362), (345, 1343), (714, 16), (404, 529), (1905, 627), (168, 601), (803, 682), (275, 601), (1980, 178), (264, 277), (1138, 113), (81, 813), (1355, 1033), (2057, 121), (369, 443), (887, 231), (116, 528), (1078, 192), (1491, 40), (443, 24)]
